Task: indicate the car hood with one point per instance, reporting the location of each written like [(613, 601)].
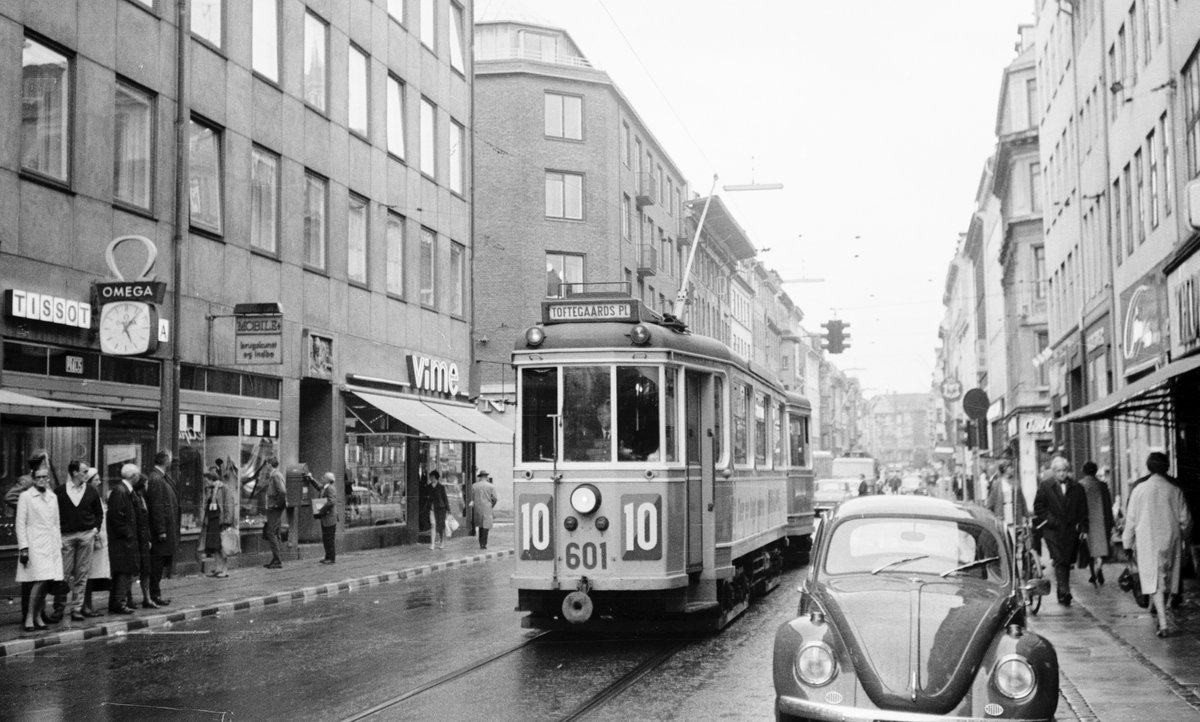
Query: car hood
[(915, 640)]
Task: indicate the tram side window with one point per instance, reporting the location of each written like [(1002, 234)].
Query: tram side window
[(760, 430), (671, 413), (587, 413), (777, 437), (637, 413), (718, 418), (798, 437), (741, 408), (539, 401)]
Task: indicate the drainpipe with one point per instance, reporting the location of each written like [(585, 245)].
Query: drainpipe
[(182, 214)]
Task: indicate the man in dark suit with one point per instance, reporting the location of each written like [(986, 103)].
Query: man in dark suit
[(162, 498), (1060, 510), (122, 539)]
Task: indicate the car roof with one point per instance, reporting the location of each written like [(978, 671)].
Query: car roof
[(898, 505)]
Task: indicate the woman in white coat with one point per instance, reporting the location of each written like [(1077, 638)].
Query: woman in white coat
[(1155, 522), (39, 545)]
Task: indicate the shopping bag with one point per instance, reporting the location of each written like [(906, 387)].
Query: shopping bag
[(451, 525), (231, 542), (318, 506)]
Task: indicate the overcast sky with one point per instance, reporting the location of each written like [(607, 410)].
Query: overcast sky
[(876, 115)]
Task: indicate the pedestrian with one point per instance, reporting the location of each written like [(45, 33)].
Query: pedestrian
[(484, 500), (439, 508), (216, 517), (328, 516), (276, 502), (145, 544), (863, 488), (1005, 499), (162, 499), (37, 461), (121, 523), (1157, 521), (80, 516), (39, 546), (1060, 508), (1099, 522), (98, 574)]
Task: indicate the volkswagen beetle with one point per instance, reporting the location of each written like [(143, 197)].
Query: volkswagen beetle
[(911, 610)]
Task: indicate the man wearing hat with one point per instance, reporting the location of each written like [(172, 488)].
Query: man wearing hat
[(484, 497)]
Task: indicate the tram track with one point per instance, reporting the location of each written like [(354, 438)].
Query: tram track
[(624, 682)]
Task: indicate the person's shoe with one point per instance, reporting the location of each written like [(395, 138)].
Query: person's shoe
[(121, 610), (275, 564), (48, 619), (326, 561), (1100, 576), (1065, 599), (161, 602), (77, 617), (149, 604), (221, 575), (92, 613)]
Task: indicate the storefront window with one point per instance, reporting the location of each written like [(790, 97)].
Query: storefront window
[(242, 444), (64, 439), (375, 483)]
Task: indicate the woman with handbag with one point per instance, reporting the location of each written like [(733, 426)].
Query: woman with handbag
[(439, 508), (1156, 518), (218, 519)]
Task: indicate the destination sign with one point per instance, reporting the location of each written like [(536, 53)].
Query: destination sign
[(590, 311)]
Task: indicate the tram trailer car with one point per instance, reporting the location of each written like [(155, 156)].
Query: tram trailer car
[(657, 475)]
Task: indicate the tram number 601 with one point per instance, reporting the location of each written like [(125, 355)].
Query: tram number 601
[(588, 555), (641, 521)]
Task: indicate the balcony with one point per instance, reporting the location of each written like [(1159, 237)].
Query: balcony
[(647, 192), (647, 260)]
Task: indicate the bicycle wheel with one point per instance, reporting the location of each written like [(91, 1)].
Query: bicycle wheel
[(1033, 570)]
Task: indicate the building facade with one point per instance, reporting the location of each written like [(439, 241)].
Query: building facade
[(309, 296)]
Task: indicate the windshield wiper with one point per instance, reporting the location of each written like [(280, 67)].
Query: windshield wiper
[(900, 561), (969, 565)]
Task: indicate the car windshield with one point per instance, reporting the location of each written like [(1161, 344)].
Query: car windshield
[(835, 485), (905, 545)]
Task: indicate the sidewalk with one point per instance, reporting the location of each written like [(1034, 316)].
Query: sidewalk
[(253, 587), (1113, 667)]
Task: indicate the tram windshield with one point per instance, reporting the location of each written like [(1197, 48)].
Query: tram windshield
[(608, 412)]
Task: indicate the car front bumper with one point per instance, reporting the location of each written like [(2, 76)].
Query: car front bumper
[(837, 713)]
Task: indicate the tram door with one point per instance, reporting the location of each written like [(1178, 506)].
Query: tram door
[(697, 387)]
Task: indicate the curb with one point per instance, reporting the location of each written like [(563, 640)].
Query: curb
[(115, 629)]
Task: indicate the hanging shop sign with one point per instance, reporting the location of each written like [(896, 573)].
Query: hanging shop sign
[(951, 389), (258, 339), (1183, 294), (34, 306), (1143, 337), (430, 374), (1037, 424), (129, 322)]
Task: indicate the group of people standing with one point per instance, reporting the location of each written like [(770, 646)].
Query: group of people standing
[(1076, 518), (68, 537)]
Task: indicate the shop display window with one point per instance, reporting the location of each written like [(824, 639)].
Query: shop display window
[(375, 482), (64, 439), (243, 445), (447, 458)]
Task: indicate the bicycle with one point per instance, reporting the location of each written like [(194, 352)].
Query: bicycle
[(1030, 576)]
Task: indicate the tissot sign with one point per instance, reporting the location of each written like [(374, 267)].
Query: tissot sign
[(431, 374)]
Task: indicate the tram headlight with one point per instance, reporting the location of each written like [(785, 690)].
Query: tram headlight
[(570, 523), (1014, 678), (602, 523), (534, 336), (640, 335), (815, 664), (585, 499)]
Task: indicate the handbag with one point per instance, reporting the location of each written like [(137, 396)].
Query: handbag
[(1130, 581), (231, 542), (319, 504), (451, 524)]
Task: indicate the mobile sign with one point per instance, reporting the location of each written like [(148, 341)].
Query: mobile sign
[(258, 339)]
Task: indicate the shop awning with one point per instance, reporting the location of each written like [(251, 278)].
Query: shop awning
[(1147, 400), (12, 402), (438, 420)]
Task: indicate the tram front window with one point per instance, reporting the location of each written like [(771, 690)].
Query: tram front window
[(539, 403), (637, 413), (587, 413)]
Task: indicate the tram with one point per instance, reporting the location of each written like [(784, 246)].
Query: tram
[(657, 475)]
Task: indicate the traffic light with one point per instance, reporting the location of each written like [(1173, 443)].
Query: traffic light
[(962, 433), (835, 340)]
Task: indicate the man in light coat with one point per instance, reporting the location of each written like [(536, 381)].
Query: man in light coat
[(483, 496), (1156, 523)]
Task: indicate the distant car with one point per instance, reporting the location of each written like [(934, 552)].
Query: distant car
[(828, 493), (911, 484), (912, 610), (366, 508)]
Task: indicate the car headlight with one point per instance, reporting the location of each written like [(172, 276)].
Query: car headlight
[(585, 499), (1014, 677), (815, 664)]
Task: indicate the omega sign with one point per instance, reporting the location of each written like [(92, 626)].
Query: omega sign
[(428, 374)]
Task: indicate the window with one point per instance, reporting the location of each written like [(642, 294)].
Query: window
[(45, 111), (564, 195), (1152, 148), (356, 92), (1031, 109), (206, 20), (538, 46), (428, 138), (264, 200), (1147, 34), (1042, 341), (1039, 272), (316, 192), (626, 214), (456, 37), (564, 116), (457, 278), (625, 149), (1125, 181), (670, 194), (395, 254), (1139, 170), (1168, 186), (133, 146), (395, 8), (395, 116), (428, 25), (316, 47), (458, 157), (356, 240), (562, 268), (1035, 187), (741, 408), (428, 270), (204, 181), (637, 412), (264, 24), (1117, 227)]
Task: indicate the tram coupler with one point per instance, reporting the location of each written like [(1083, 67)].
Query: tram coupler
[(577, 607)]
